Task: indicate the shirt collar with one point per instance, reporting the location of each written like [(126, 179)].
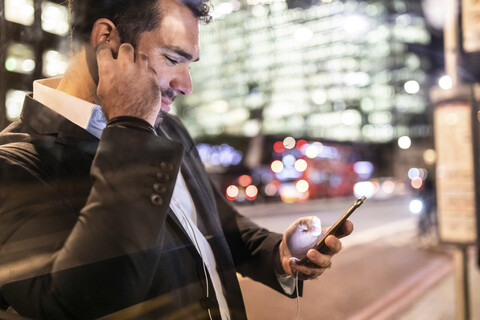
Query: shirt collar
[(83, 113)]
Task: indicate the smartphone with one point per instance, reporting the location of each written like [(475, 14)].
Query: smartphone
[(320, 245)]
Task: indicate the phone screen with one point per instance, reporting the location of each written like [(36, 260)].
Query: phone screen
[(320, 245)]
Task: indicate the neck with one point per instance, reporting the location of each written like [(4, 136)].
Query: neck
[(77, 80)]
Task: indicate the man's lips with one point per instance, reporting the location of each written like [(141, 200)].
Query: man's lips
[(166, 104)]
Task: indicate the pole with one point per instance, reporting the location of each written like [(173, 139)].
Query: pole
[(461, 283), (451, 41), (452, 55)]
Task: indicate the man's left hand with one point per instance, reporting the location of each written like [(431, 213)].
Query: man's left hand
[(299, 238)]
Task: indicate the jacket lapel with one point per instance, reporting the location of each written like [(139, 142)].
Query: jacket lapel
[(201, 191)]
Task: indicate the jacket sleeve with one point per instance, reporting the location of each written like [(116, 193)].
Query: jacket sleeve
[(57, 263)]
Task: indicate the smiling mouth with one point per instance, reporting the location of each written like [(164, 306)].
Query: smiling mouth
[(166, 104), (167, 99)]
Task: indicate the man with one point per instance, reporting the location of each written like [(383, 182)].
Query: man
[(107, 211)]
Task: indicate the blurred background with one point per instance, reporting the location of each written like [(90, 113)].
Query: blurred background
[(299, 106), (308, 99)]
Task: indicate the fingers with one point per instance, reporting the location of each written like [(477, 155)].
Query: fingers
[(334, 245), (317, 262), (104, 54), (318, 259), (310, 271), (126, 53), (127, 84), (142, 59), (345, 230)]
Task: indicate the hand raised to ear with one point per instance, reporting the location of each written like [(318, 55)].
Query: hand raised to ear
[(127, 86)]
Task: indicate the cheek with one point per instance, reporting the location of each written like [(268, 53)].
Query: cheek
[(163, 74)]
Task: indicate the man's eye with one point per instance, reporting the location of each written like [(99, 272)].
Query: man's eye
[(170, 60)]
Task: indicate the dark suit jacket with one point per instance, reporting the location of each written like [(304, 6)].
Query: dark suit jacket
[(86, 229)]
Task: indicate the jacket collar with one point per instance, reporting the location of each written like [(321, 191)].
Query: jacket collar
[(46, 121)]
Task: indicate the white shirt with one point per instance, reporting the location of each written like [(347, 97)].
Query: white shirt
[(90, 117)]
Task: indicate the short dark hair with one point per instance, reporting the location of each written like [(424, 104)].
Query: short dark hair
[(131, 17)]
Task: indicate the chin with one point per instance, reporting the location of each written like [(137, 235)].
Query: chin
[(160, 117)]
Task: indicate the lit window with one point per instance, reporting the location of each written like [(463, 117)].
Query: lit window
[(20, 58), (54, 63), (14, 103), (20, 11), (55, 18)]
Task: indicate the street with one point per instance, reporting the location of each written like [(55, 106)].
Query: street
[(381, 263)]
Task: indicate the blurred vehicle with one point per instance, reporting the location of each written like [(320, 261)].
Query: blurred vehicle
[(305, 170), (380, 188)]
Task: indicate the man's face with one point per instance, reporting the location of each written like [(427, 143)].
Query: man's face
[(171, 47)]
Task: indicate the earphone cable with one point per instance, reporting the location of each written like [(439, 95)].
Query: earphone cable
[(199, 252)]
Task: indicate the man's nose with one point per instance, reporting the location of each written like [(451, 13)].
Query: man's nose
[(183, 81)]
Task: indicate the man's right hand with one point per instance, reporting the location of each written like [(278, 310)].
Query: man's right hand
[(127, 86)]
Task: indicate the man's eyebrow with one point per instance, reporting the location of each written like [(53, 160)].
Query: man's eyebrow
[(181, 52)]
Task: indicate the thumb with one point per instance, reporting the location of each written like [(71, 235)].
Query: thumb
[(302, 235), (313, 225)]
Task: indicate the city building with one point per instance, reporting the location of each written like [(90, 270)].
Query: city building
[(33, 44), (339, 70)]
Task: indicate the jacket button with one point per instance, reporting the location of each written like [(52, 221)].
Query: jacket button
[(156, 199), (162, 177), (159, 188), (167, 166)]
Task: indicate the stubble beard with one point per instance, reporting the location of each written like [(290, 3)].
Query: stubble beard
[(162, 113)]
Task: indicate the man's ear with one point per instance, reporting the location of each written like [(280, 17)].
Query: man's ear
[(105, 31)]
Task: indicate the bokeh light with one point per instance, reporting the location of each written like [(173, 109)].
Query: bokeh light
[(430, 156), (277, 166), (404, 142), (415, 206), (445, 82), (413, 173), (278, 147), (300, 165), (301, 143), (388, 187), (251, 192), (417, 183), (244, 180), (364, 188), (411, 87), (232, 192), (302, 185), (288, 160), (289, 143)]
